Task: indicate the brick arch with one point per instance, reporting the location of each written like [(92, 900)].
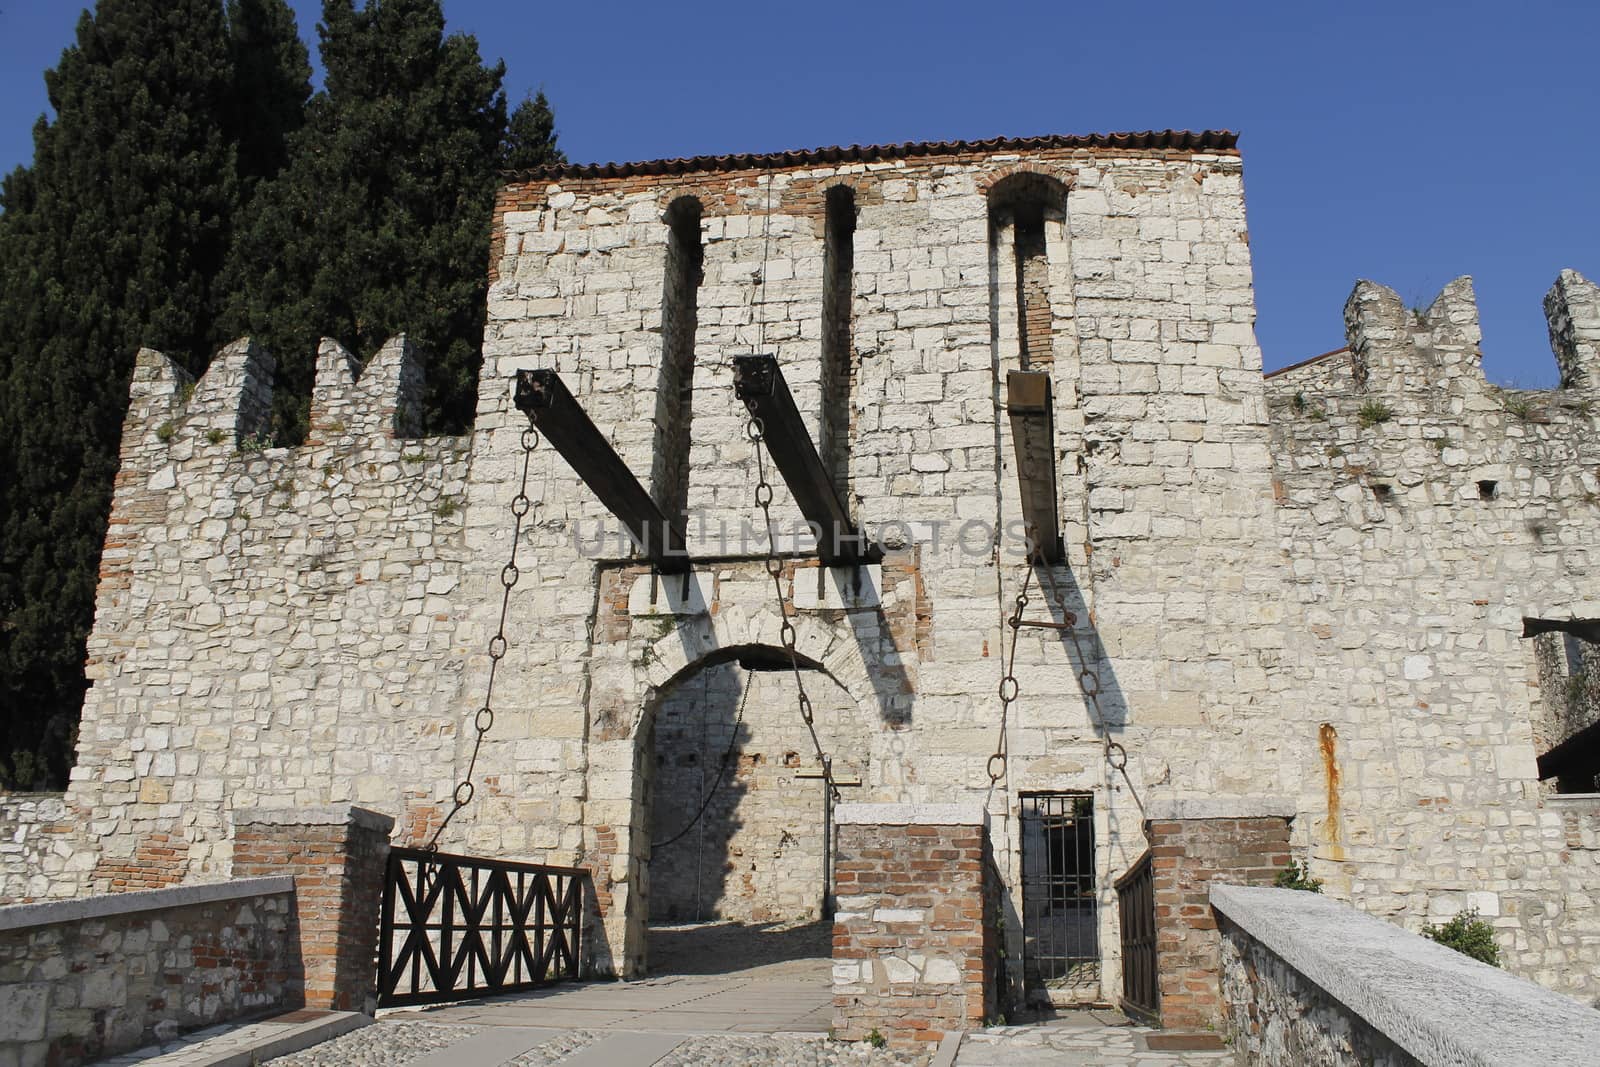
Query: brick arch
[(988, 181)]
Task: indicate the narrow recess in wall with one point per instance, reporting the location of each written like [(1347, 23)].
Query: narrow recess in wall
[(1488, 490), (1383, 492), (838, 364), (669, 469), (1024, 203)]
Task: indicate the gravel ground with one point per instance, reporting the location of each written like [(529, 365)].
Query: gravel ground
[(383, 1044), (728, 1050)]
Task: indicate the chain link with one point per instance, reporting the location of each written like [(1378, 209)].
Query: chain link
[(787, 634), (1010, 688), (483, 718)]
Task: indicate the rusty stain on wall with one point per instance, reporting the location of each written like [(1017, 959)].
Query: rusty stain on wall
[(1333, 832)]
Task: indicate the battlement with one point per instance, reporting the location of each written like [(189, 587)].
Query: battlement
[(230, 407), (1404, 353)]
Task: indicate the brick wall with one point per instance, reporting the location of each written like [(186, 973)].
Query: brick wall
[(93, 977), (337, 857), (1194, 845), (912, 955)]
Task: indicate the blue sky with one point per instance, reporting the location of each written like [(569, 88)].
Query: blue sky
[(1405, 142)]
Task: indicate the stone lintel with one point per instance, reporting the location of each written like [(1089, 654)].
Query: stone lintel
[(971, 814), (324, 815), (1177, 809)]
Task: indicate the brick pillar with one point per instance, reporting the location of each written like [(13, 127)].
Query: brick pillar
[(337, 856), (912, 954), (1192, 844)]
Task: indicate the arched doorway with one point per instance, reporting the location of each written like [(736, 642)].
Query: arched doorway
[(739, 857)]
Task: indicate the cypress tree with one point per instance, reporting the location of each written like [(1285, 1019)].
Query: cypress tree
[(271, 82), (380, 222), (531, 135), (111, 240)]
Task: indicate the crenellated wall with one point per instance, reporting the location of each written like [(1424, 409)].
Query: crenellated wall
[(274, 627), (1425, 512)]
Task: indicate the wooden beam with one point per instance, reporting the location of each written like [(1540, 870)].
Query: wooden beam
[(556, 413), (1033, 432), (1578, 755), (1587, 629), (758, 382)]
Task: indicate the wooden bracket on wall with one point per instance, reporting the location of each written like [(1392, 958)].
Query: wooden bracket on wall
[(758, 382), (556, 413), (1033, 432)]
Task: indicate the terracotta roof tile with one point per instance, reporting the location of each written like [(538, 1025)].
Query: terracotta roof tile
[(1183, 140)]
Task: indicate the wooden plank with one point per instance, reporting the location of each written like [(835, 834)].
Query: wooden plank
[(555, 413)]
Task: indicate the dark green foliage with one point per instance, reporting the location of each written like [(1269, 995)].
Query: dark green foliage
[(531, 135), (1297, 876), (380, 223), (1468, 935), (111, 240), (184, 194)]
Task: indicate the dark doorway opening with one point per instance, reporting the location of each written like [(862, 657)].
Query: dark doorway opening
[(1060, 910)]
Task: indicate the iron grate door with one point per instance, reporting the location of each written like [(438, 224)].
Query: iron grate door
[(1060, 915)]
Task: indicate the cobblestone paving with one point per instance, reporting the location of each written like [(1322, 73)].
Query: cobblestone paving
[(385, 1043), (1078, 1039), (723, 1050)]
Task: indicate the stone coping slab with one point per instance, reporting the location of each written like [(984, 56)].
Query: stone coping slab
[(107, 905), (325, 815), (1173, 809), (910, 814), (1434, 1002)]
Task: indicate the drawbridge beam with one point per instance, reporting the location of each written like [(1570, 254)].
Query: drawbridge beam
[(758, 382), (1033, 433), (555, 412)]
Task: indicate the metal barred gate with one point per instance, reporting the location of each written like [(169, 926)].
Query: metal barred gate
[(454, 927)]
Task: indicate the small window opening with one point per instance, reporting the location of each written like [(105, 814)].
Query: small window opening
[(1383, 492), (1488, 490)]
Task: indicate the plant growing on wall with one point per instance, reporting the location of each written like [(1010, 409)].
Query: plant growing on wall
[(1372, 413), (1468, 935), (1297, 876)]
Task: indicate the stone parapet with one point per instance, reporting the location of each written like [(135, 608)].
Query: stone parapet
[(1310, 980), (88, 978), (337, 858), (913, 956)]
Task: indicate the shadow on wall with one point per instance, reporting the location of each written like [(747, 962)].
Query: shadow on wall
[(736, 807)]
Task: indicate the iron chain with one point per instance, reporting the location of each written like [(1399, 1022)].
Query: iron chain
[(483, 718), (1010, 688), (787, 634)]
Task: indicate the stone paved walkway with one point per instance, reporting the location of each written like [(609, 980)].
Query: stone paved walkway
[(740, 998)]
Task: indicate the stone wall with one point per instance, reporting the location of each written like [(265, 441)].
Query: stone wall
[(1425, 513), (41, 848), (85, 979), (914, 950), (1307, 980)]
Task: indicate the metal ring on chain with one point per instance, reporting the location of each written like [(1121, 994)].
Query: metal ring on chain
[(530, 439), (520, 505), (497, 646), (509, 575), (1121, 761), (787, 634), (763, 495), (463, 788), (755, 429), (1009, 688), (484, 719), (1086, 676), (774, 566), (996, 775), (807, 712)]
